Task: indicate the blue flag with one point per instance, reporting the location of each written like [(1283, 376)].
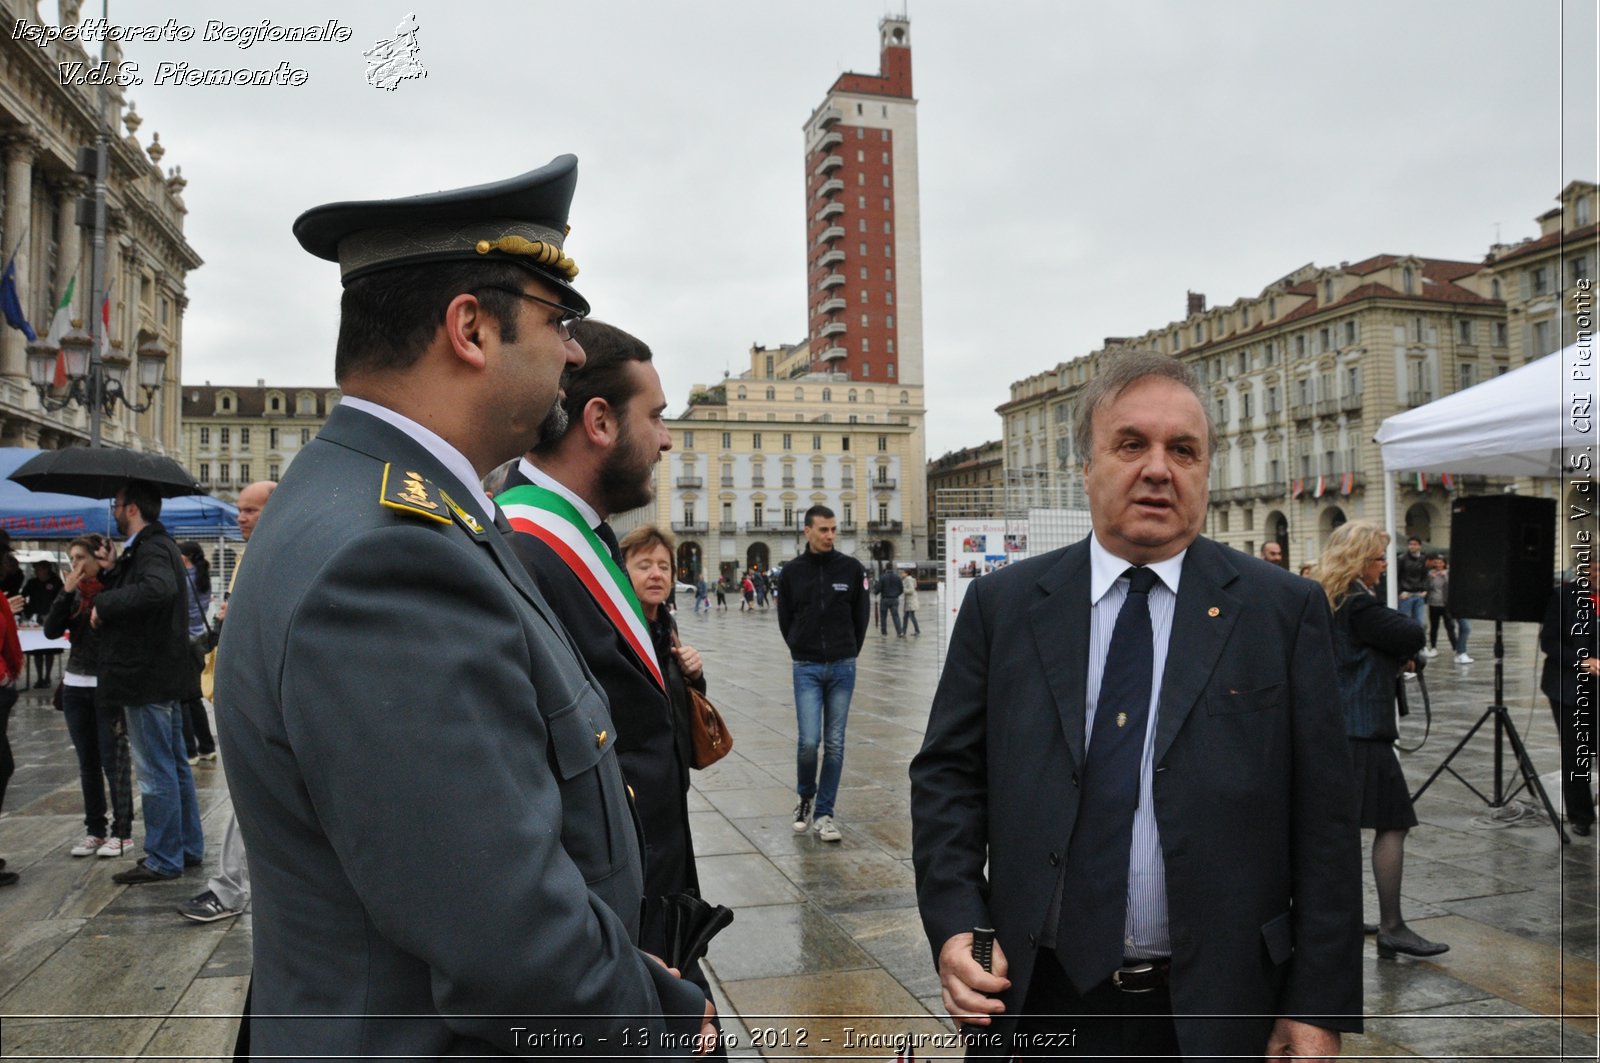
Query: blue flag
[(11, 306)]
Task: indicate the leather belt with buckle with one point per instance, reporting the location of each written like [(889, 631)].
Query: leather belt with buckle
[(1142, 976)]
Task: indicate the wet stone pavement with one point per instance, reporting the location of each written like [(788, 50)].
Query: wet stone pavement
[(826, 957)]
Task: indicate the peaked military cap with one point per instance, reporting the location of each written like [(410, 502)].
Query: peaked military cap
[(521, 220)]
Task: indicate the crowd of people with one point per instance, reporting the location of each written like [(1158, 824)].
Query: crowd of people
[(1137, 807)]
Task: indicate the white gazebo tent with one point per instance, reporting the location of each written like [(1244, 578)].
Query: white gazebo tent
[(1517, 424)]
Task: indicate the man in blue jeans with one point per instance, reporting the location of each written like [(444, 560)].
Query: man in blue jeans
[(823, 604), (144, 667), (1411, 571)]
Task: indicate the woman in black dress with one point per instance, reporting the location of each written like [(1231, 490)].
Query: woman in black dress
[(1372, 643)]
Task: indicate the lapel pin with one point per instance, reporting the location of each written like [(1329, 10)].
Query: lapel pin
[(1213, 611), (600, 739)]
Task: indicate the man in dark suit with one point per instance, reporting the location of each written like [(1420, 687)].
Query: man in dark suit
[(1134, 774), (1568, 639), (442, 856), (559, 499)]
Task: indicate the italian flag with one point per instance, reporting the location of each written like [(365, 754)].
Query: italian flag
[(58, 328)]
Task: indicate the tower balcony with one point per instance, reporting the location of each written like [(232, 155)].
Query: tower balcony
[(832, 306), (831, 139), (829, 117), (832, 232), (833, 354), (830, 211), (828, 259), (829, 187), (832, 328), (828, 165), (832, 280)]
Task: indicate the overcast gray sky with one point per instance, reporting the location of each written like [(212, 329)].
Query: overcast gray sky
[(1082, 164)]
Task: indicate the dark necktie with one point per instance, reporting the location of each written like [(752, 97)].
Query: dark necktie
[(501, 525), (609, 537), (1094, 892)]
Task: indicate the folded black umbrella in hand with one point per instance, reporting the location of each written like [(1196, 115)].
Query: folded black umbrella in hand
[(685, 923)]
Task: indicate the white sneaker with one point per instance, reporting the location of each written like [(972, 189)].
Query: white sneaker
[(1428, 651), (1408, 675), (826, 831), (115, 847), (88, 847), (1462, 658)]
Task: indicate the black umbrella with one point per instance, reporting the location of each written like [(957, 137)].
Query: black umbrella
[(685, 923), (97, 472)]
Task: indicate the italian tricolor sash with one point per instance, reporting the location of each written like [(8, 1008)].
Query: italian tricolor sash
[(542, 513)]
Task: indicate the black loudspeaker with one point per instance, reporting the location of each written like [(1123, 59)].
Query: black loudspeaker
[(1502, 556)]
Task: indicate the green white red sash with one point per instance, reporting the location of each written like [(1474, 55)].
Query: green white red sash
[(551, 519)]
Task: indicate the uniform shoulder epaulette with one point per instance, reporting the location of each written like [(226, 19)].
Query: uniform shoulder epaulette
[(467, 519), (409, 493)]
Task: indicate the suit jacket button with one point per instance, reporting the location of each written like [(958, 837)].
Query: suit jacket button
[(1055, 859), (1033, 941)]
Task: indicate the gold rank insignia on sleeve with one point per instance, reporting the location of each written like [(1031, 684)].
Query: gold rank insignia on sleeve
[(409, 493), (472, 523)]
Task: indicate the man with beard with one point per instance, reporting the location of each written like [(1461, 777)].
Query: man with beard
[(144, 668), (442, 859), (558, 500)]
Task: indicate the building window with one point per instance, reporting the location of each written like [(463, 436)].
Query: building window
[(844, 443), (227, 403), (1469, 374), (861, 201), (891, 370), (1499, 333), (727, 441), (883, 443), (861, 226), (276, 404), (755, 441), (866, 370), (883, 513), (816, 442), (227, 436), (727, 514), (205, 472), (205, 436), (305, 436), (244, 437), (224, 474), (1541, 341), (1350, 333), (741, 391), (1494, 288), (905, 398), (1407, 280), (863, 291), (862, 250), (1300, 346), (1464, 331), (244, 472), (888, 274), (1581, 210), (848, 516), (1540, 278), (274, 472), (866, 344), (1324, 341), (1580, 268), (865, 321), (888, 251), (272, 439), (861, 156), (788, 441), (851, 395)]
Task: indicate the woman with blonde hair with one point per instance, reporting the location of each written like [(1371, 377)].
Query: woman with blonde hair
[(1371, 641)]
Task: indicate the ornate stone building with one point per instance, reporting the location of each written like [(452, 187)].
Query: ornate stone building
[(233, 436), (969, 482), (43, 124)]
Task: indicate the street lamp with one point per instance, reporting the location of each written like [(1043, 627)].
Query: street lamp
[(98, 383)]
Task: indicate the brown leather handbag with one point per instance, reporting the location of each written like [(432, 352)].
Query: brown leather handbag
[(708, 731)]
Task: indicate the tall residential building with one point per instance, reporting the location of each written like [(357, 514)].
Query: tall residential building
[(44, 120), (233, 436), (1539, 276), (863, 236)]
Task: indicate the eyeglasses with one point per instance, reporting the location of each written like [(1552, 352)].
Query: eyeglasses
[(569, 316), (1382, 558)]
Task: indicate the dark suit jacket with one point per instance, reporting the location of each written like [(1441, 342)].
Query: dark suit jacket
[(434, 829), (1253, 789), (1567, 636), (647, 747)]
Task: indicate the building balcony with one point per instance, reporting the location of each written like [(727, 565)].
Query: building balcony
[(1302, 411), (831, 139), (832, 280), (727, 481), (1246, 421), (829, 117), (832, 232), (846, 484), (758, 482), (832, 306), (830, 257), (765, 526), (847, 527), (832, 210), (1418, 398), (833, 328), (1268, 492), (1350, 403), (690, 483), (692, 527), (885, 483), (883, 527), (833, 354), (1327, 407), (832, 162), (829, 187)]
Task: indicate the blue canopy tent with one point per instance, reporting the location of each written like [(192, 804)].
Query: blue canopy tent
[(39, 515)]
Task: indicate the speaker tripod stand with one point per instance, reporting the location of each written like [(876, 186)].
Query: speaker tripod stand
[(1505, 730)]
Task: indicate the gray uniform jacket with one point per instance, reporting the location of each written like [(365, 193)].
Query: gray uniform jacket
[(442, 852)]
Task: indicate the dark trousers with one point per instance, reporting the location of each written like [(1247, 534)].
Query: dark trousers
[(911, 622), (8, 764), (890, 611), (1574, 786), (1437, 613), (197, 737), (100, 738), (1103, 1024)]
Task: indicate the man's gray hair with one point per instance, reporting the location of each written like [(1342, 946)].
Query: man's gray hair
[(1120, 372)]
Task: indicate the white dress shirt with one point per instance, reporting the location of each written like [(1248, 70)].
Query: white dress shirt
[(543, 479), (1146, 934)]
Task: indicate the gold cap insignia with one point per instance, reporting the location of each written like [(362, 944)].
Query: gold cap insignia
[(412, 495)]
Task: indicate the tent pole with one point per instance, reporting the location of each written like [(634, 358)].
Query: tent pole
[(1392, 584)]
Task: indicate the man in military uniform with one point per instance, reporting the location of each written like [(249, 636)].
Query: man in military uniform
[(442, 852)]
